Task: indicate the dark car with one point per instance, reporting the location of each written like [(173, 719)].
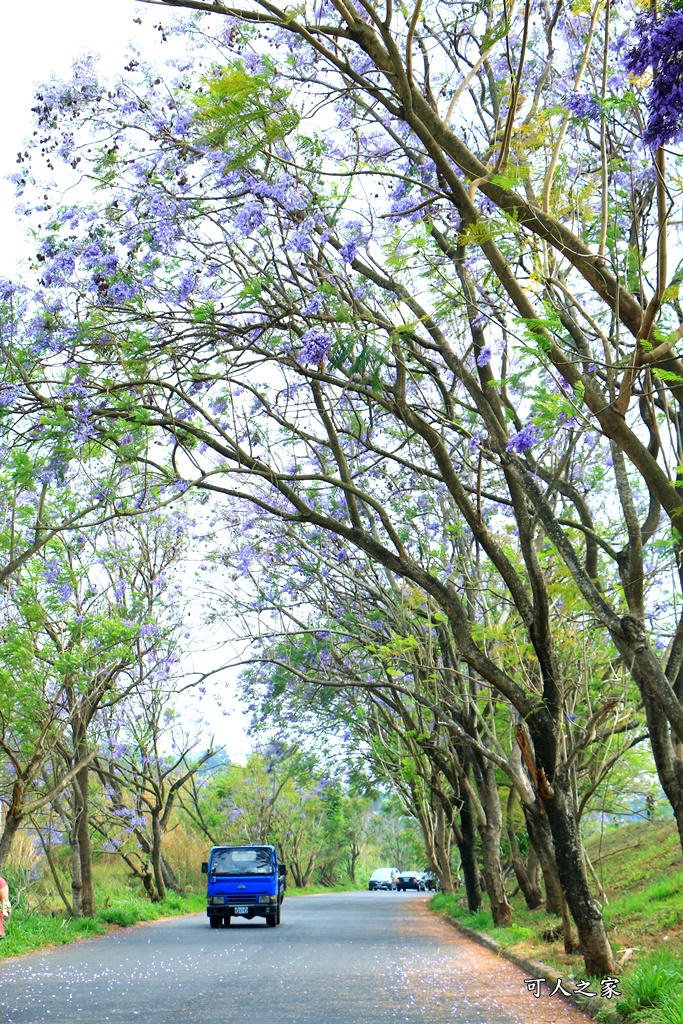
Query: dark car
[(409, 880), (430, 883)]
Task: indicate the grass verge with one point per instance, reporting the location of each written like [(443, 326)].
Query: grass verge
[(28, 933)]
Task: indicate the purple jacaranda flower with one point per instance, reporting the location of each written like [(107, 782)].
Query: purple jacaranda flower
[(525, 440), (52, 571), (59, 268), (660, 47), (7, 289), (185, 286), (316, 345), (92, 255), (120, 291), (9, 395), (249, 218), (355, 238), (300, 242), (583, 106), (484, 357), (349, 250), (314, 305), (64, 592), (253, 62)]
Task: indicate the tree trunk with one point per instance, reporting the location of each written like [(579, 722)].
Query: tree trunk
[(532, 894), (147, 879), (491, 832), (468, 856), (308, 873), (74, 847), (353, 860), (595, 947), (428, 828), (534, 873), (442, 852), (170, 877), (493, 873), (157, 836), (13, 822), (84, 843), (541, 840)]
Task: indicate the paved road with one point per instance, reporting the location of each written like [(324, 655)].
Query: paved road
[(351, 958)]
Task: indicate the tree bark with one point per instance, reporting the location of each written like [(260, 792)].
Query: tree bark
[(468, 856), (170, 877), (157, 836), (74, 840), (84, 843), (532, 893), (12, 824), (666, 753), (542, 842), (534, 873), (491, 833), (442, 853), (595, 946)]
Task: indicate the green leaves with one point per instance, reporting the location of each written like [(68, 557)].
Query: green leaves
[(243, 113)]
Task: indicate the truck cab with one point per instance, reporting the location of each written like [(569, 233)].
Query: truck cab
[(243, 881)]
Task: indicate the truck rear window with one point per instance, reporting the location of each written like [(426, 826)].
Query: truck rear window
[(252, 860)]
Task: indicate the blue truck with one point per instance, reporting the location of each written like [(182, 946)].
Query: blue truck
[(243, 881)]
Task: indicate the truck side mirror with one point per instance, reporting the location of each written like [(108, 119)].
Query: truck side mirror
[(281, 869), (205, 867)]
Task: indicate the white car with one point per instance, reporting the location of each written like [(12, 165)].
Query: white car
[(383, 878)]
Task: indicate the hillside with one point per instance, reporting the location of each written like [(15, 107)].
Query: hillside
[(640, 868)]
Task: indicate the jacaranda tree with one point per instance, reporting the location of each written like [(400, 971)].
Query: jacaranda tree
[(343, 239)]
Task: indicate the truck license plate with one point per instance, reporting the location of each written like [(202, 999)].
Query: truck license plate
[(241, 910)]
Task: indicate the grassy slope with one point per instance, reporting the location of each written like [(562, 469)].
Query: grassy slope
[(641, 869)]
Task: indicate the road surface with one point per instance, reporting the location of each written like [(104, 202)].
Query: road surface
[(348, 958)]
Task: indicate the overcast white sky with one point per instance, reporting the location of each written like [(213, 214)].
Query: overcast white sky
[(37, 40)]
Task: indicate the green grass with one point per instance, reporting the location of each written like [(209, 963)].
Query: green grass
[(28, 932), (652, 990)]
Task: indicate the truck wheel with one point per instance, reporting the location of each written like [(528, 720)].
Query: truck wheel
[(226, 921), (271, 921), (279, 911), (215, 922)]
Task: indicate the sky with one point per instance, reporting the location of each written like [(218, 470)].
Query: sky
[(41, 39)]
